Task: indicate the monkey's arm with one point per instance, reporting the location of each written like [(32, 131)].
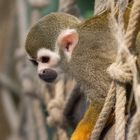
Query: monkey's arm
[(75, 107), (86, 125)]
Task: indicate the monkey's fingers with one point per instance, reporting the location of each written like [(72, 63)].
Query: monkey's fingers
[(55, 103), (55, 117)]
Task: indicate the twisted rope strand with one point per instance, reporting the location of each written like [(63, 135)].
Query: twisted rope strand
[(120, 123), (128, 42), (130, 39), (120, 112), (134, 129), (133, 29)]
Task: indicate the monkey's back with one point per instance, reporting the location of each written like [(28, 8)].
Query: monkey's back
[(95, 52)]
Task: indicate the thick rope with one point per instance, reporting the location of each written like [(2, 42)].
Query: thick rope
[(134, 127), (133, 29), (121, 76), (120, 112), (125, 76), (130, 39), (103, 117), (134, 22), (134, 130)]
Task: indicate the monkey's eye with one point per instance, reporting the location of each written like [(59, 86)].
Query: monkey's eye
[(34, 62), (45, 59)]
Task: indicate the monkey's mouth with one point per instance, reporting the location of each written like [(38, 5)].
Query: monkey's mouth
[(48, 76)]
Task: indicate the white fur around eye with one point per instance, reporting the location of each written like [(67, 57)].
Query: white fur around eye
[(54, 57)]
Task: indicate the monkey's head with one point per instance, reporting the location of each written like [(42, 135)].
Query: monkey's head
[(50, 43)]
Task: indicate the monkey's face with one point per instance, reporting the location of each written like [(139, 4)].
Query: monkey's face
[(53, 63), (47, 63), (50, 43)]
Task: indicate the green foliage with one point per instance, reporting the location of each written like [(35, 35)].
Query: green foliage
[(86, 7), (53, 6)]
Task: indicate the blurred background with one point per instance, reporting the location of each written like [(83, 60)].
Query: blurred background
[(23, 97)]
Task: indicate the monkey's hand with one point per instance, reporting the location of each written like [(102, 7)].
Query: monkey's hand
[(86, 125), (55, 109)]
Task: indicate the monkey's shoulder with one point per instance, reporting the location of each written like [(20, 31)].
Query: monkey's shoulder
[(102, 20), (95, 22)]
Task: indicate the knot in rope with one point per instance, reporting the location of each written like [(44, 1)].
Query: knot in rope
[(120, 72)]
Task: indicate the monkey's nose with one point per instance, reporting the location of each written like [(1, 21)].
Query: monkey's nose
[(48, 75)]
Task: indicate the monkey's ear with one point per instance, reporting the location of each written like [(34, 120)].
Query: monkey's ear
[(67, 41)]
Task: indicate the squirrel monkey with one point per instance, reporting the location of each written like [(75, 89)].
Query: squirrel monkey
[(84, 50), (60, 40), (49, 70)]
